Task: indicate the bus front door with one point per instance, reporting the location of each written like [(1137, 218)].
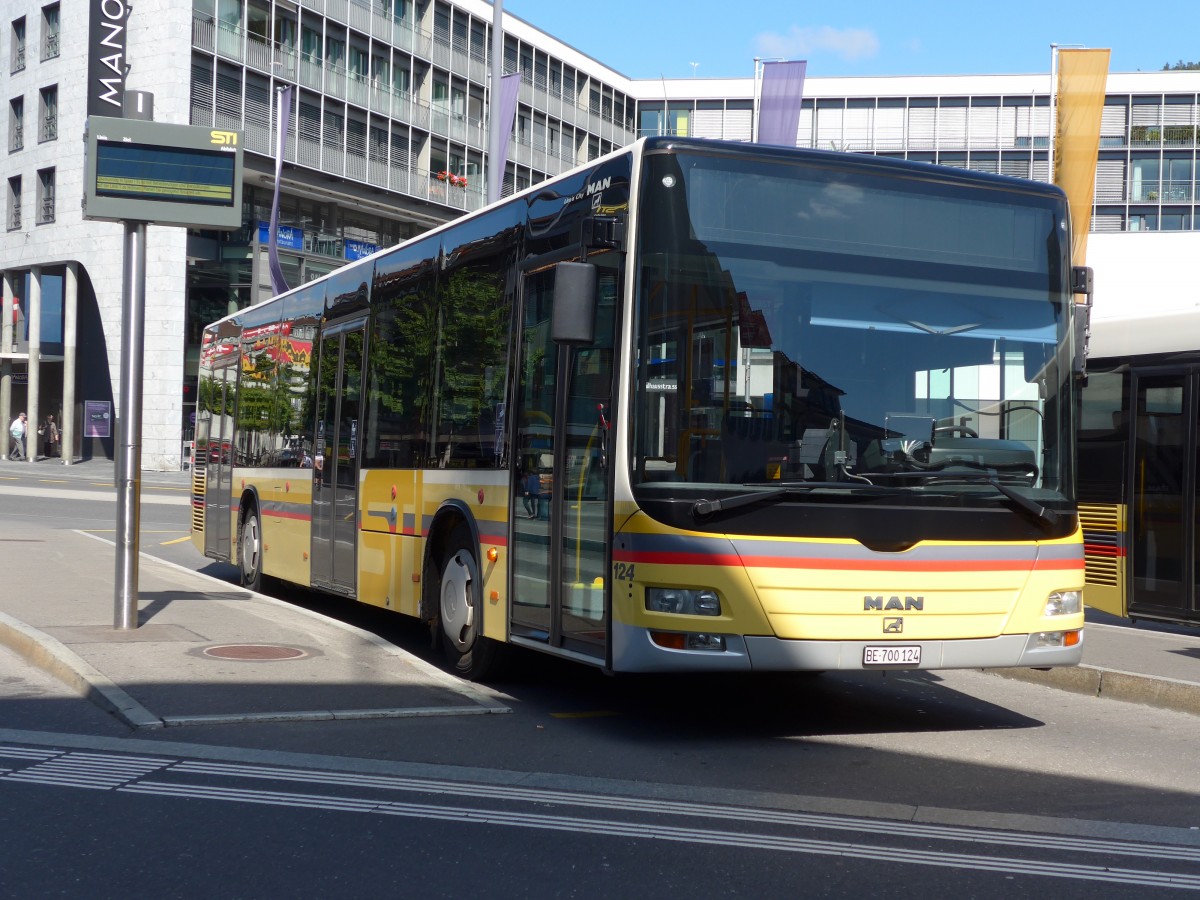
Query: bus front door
[(218, 461), (560, 548), (335, 461), (1164, 499)]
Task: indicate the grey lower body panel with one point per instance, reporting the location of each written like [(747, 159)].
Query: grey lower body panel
[(772, 654), (634, 651)]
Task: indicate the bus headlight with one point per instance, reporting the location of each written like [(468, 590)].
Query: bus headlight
[(1048, 640), (674, 640), (1064, 603), (703, 602)]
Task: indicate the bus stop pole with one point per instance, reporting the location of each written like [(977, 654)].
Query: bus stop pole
[(129, 425)]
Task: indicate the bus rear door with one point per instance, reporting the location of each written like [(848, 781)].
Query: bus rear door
[(335, 462), (218, 461)]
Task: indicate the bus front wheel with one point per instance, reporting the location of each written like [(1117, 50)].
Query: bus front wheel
[(250, 551), (460, 608)]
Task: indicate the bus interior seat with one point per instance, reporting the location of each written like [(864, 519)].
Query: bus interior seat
[(1160, 429), (704, 460), (660, 468), (747, 446)]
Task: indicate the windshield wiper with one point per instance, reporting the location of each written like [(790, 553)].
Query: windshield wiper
[(703, 508), (1042, 514)]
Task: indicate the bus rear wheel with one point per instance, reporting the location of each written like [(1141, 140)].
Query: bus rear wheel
[(250, 551), (460, 609)]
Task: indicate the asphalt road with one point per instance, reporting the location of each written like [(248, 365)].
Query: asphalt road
[(911, 784)]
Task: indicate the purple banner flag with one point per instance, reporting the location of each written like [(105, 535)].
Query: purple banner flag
[(283, 118), (509, 86), (779, 104)]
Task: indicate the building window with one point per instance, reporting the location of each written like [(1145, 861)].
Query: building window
[(1177, 179), (13, 216), (1178, 218), (258, 21), (310, 45), (400, 81), (50, 20), (17, 48), (45, 198), (358, 63), (1143, 180), (1142, 220), (48, 114), (16, 124)]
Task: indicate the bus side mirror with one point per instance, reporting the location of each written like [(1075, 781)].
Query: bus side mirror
[(1081, 283), (573, 321)]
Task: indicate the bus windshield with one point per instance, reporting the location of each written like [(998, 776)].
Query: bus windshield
[(822, 323)]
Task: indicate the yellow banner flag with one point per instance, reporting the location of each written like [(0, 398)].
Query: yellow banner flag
[(1082, 75)]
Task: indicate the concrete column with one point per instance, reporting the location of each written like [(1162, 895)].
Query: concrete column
[(70, 306), (6, 342), (33, 315)]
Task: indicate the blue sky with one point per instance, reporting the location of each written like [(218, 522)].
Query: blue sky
[(653, 38)]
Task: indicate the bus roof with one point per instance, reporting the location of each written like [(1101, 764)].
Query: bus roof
[(1172, 331), (883, 165)]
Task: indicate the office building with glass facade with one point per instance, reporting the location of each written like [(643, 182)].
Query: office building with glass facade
[(388, 136)]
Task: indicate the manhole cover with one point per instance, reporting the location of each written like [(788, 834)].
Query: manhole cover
[(254, 652)]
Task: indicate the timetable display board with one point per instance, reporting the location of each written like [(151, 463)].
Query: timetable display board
[(155, 172)]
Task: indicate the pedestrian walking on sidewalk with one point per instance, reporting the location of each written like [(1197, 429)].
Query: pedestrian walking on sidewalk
[(531, 487), (17, 432), (49, 433)]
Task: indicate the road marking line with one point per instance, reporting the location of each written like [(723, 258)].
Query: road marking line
[(597, 714)]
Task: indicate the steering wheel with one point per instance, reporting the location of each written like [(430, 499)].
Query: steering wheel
[(956, 429)]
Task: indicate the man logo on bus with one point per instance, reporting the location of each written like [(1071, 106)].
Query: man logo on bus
[(878, 603), (893, 625)]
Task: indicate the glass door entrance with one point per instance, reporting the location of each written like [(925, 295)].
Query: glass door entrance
[(335, 463), (217, 448), (561, 521), (1163, 507)]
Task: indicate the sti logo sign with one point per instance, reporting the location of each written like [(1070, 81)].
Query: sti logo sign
[(106, 57)]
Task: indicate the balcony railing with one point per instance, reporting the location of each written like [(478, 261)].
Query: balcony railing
[(1163, 135), (1166, 192), (229, 41)]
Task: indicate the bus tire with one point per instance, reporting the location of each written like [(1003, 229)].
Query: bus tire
[(460, 609), (250, 550)]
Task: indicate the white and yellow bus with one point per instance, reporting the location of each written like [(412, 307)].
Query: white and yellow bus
[(784, 410)]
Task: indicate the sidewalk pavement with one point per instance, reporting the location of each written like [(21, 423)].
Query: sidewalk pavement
[(207, 651)]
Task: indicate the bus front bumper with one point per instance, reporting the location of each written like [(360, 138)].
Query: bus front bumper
[(634, 650)]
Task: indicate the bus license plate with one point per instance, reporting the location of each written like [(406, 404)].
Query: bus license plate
[(892, 656)]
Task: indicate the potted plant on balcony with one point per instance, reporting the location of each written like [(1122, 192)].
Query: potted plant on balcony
[(459, 181)]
